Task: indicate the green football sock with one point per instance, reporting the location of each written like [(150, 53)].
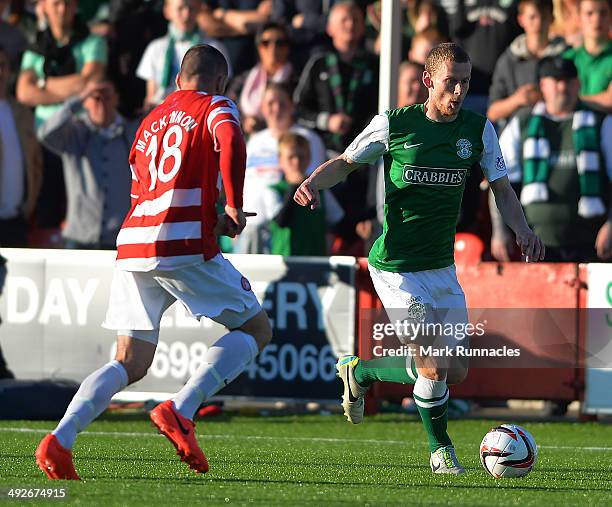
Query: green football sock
[(431, 399), (385, 369)]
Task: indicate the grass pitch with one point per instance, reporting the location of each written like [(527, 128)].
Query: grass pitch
[(315, 460)]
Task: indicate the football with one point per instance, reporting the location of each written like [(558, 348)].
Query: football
[(508, 451)]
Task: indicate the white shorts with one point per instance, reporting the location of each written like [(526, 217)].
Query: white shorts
[(214, 289), (427, 296)]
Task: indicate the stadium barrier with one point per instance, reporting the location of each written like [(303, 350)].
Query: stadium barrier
[(491, 285), (597, 293), (530, 290), (54, 301)]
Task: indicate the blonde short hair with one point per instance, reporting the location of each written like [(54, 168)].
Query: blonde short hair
[(446, 52)]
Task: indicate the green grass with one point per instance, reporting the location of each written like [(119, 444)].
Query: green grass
[(311, 460)]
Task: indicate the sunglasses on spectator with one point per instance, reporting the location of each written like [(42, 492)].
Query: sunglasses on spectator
[(281, 43)]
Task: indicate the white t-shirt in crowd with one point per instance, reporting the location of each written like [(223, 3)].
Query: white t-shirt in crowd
[(151, 66), (263, 169)]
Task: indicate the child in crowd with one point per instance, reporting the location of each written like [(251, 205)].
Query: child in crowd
[(294, 229)]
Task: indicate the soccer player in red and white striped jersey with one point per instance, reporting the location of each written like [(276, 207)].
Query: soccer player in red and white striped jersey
[(166, 251), (179, 150)]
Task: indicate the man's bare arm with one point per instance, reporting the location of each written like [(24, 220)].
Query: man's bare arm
[(601, 102), (504, 108), (58, 88), (149, 102), (511, 211), (30, 94), (603, 242), (214, 27), (74, 84), (502, 241), (325, 176)]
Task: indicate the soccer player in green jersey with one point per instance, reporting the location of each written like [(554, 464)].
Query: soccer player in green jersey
[(428, 150)]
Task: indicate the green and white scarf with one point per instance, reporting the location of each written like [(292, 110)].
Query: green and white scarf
[(344, 103), (174, 35), (536, 163)]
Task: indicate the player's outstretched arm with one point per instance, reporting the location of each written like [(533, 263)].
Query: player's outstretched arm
[(325, 176), (511, 211)]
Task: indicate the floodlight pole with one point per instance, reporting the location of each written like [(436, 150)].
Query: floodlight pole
[(390, 53)]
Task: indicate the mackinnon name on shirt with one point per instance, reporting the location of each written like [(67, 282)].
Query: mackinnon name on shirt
[(175, 117)]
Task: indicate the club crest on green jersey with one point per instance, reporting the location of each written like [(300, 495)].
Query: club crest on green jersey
[(464, 148), (416, 309)]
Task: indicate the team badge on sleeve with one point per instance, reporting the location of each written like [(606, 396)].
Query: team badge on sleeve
[(246, 285), (500, 164)]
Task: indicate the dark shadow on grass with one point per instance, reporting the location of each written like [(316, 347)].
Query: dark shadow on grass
[(326, 464), (143, 416), (386, 485), (596, 472), (80, 457), (240, 463)]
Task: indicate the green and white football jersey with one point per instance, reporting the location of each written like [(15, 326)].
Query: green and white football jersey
[(426, 165)]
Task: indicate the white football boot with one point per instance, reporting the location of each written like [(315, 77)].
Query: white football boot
[(444, 461), (352, 398)]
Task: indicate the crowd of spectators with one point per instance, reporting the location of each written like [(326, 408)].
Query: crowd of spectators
[(76, 77)]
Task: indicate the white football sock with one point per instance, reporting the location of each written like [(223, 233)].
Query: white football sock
[(90, 401), (429, 393), (223, 362)]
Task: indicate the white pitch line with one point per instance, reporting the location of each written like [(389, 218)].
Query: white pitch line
[(260, 437), (207, 435)]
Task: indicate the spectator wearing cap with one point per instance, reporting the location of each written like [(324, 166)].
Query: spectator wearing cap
[(559, 157), (162, 58), (94, 141), (247, 89), (594, 58)]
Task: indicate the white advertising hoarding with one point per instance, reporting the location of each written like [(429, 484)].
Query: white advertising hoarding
[(597, 396), (54, 301)]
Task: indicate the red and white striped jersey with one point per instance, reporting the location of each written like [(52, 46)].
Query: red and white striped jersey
[(176, 182)]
